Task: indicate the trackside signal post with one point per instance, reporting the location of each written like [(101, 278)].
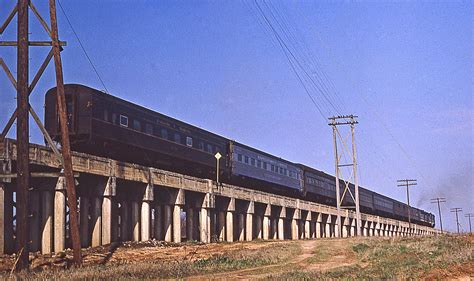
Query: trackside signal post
[(334, 122), (24, 88)]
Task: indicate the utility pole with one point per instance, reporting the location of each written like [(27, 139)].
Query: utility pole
[(439, 200), (407, 183), (469, 216), (334, 122), (24, 89), (22, 136), (456, 210)]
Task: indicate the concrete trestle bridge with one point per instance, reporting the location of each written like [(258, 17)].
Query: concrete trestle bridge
[(126, 202)]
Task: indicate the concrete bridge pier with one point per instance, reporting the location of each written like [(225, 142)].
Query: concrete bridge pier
[(207, 204), (249, 221), (281, 223), (266, 221), (125, 209), (229, 220), (145, 213), (295, 226), (352, 230), (319, 225), (60, 215), (47, 220)]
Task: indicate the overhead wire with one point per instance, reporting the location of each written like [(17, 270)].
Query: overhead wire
[(82, 47)]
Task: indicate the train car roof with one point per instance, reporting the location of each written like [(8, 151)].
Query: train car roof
[(140, 107), (264, 153)]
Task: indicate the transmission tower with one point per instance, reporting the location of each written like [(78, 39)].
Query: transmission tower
[(334, 122), (24, 89)]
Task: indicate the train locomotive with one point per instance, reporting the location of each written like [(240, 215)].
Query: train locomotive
[(105, 125)]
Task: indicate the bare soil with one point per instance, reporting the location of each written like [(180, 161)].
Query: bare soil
[(353, 258)]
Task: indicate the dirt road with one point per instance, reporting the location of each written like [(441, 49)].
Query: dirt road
[(318, 255)]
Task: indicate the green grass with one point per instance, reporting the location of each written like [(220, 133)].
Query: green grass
[(399, 258)]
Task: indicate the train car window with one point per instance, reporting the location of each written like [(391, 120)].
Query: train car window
[(164, 133), (259, 163), (239, 157), (114, 118), (189, 141), (106, 115), (148, 129), (177, 138), (246, 159), (137, 125), (272, 168), (201, 145), (209, 148), (123, 120), (265, 165), (252, 161)]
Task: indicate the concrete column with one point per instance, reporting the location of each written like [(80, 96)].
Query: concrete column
[(178, 203), (295, 224), (207, 204), (266, 228), (158, 224), (221, 225), (34, 222), (124, 221), (258, 226), (319, 218), (249, 221), (353, 228), (249, 227), (135, 220), (145, 221), (274, 228), (307, 229), (281, 224), (365, 232), (190, 224), (167, 223), (47, 221), (266, 222), (241, 224), (60, 215), (327, 227), (108, 194), (96, 221), (177, 224), (145, 214), (205, 222), (230, 220), (345, 224)]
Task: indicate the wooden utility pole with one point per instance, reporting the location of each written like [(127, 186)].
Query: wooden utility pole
[(469, 216), (22, 136), (456, 210), (407, 183), (439, 200), (334, 122), (66, 148)]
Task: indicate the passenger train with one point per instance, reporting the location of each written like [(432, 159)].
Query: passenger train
[(105, 125)]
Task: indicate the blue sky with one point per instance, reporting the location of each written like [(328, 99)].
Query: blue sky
[(405, 68)]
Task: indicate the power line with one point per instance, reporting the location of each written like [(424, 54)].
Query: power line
[(82, 47)]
